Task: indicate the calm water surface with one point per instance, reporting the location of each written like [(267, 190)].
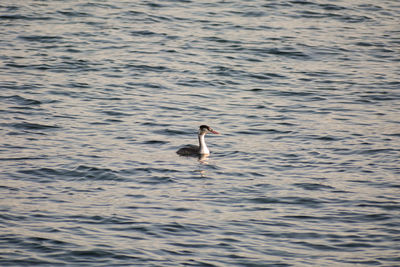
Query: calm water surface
[(96, 97)]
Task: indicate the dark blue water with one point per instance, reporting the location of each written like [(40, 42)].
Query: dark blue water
[(96, 97)]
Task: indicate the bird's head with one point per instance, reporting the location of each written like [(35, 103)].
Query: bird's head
[(204, 129)]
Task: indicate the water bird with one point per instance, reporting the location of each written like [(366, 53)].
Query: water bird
[(201, 149)]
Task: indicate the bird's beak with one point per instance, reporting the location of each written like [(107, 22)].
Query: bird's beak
[(214, 132)]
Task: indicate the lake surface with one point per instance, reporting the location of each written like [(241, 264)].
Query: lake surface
[(97, 96)]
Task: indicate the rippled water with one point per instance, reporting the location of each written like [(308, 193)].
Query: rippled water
[(96, 97)]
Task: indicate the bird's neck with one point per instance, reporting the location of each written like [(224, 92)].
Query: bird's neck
[(202, 145)]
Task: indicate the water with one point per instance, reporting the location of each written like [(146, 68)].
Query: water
[(96, 97)]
